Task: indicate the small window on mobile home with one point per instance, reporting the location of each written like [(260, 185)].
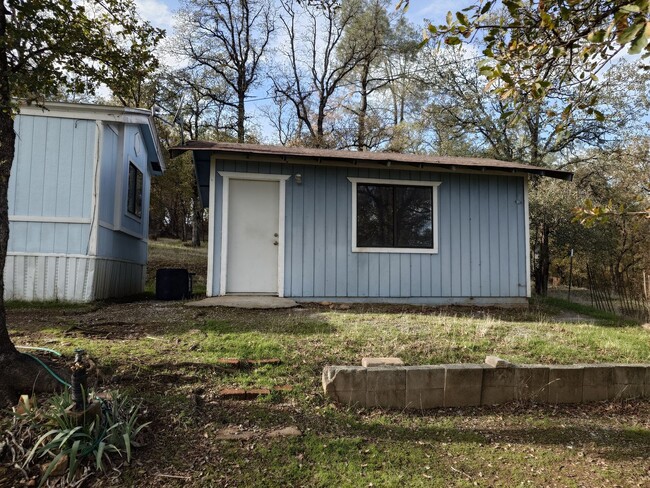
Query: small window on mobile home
[(134, 197)]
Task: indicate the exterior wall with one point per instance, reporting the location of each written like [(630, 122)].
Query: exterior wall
[(72, 278), (71, 237), (50, 189), (121, 235), (482, 239)]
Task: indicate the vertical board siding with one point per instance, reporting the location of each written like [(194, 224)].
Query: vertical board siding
[(481, 237), (70, 278), (51, 176)]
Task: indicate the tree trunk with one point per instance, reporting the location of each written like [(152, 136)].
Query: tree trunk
[(7, 147), (543, 263), (241, 117), (197, 214), (363, 109), (18, 373)]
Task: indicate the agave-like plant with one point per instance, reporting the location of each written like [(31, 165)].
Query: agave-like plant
[(112, 432)]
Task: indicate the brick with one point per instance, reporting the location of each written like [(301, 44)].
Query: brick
[(233, 394), (229, 362), (565, 384), (497, 362), (531, 383), (374, 362), (463, 384), (283, 388), (255, 392)]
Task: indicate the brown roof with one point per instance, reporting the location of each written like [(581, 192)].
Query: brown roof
[(324, 156)]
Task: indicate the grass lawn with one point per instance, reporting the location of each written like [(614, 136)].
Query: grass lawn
[(167, 355)]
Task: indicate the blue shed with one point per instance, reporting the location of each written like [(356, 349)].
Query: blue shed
[(79, 202), (324, 225)]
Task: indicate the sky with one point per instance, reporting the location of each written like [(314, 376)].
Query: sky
[(161, 14)]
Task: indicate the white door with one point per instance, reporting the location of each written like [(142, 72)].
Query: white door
[(253, 236)]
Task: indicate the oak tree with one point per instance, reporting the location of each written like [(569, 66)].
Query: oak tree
[(48, 47)]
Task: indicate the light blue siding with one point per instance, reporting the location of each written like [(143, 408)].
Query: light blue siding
[(51, 176), (481, 237), (122, 236)]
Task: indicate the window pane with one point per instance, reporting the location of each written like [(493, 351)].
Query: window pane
[(138, 194), (130, 204), (134, 191), (374, 215), (413, 216)]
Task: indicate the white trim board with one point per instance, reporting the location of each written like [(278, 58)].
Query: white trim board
[(527, 237), (48, 219), (227, 176), (212, 205), (434, 210)]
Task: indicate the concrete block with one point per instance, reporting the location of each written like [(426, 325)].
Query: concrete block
[(498, 386), (392, 398), (356, 397), (374, 362), (344, 378), (425, 386), (629, 374), (620, 391), (497, 362), (629, 381), (565, 384), (596, 382), (463, 384), (531, 383), (423, 399), (425, 377), (386, 378)]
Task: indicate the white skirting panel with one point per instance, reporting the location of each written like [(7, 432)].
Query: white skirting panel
[(70, 278)]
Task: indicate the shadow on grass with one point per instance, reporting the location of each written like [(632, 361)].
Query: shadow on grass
[(616, 444), (606, 319)]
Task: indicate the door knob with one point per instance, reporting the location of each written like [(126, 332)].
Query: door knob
[(275, 235), (275, 243)]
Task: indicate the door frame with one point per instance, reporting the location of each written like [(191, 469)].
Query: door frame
[(227, 176)]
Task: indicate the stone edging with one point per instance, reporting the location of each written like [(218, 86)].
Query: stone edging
[(460, 385)]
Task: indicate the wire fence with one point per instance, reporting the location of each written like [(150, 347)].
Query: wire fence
[(625, 293)]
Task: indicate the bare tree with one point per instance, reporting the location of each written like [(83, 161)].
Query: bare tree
[(226, 40), (316, 67)]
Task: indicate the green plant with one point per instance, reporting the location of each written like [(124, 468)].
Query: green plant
[(112, 431)]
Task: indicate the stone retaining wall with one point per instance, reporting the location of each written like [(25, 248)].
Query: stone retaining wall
[(460, 385)]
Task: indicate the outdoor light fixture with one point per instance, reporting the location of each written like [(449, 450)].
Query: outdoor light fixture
[(298, 179)]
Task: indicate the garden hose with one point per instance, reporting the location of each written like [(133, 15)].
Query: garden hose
[(56, 353), (52, 373)]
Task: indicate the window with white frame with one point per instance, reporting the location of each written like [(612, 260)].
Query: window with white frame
[(134, 191), (394, 215)]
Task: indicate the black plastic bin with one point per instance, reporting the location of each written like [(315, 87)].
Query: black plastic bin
[(173, 284)]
